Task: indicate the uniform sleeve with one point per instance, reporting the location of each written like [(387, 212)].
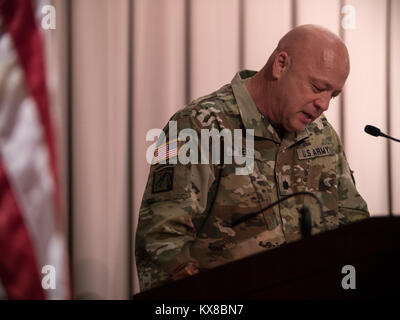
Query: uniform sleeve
[(175, 201), (352, 206)]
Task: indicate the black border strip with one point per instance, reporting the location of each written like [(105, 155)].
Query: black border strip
[(129, 132), (69, 136), (388, 101), (188, 51)]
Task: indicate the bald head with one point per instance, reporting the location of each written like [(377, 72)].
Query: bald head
[(313, 41), (306, 35), (306, 70)]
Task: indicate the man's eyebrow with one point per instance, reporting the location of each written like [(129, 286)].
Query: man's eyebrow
[(325, 83)]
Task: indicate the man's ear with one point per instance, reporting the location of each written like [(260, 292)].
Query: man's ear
[(281, 64)]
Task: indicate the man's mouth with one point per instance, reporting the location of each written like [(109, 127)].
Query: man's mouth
[(307, 115), (306, 118)]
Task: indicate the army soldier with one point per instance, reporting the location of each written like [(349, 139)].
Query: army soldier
[(186, 215)]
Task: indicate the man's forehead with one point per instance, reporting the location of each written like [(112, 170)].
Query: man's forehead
[(328, 56), (328, 66)]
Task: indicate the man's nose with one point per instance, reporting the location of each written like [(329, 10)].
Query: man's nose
[(322, 102)]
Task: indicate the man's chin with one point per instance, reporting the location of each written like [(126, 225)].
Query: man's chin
[(296, 127)]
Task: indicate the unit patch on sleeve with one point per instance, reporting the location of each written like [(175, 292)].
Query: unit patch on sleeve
[(163, 179), (320, 151)]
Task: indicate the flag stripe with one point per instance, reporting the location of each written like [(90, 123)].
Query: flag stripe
[(18, 268), (20, 22)]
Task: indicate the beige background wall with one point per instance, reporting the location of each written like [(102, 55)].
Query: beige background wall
[(179, 50)]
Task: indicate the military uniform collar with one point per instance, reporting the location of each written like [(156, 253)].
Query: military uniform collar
[(253, 118), (291, 138)]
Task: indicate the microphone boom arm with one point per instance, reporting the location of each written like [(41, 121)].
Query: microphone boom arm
[(389, 137), (254, 214)]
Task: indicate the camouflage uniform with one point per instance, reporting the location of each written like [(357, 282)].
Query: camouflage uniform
[(184, 225)]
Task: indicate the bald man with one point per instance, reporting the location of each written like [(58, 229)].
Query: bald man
[(185, 222)]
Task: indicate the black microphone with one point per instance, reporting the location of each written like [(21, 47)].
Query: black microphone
[(376, 132), (305, 216), (305, 221)]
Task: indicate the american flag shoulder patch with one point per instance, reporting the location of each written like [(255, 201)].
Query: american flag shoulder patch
[(167, 151)]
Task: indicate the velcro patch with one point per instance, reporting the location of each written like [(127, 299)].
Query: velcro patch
[(163, 180), (320, 151)]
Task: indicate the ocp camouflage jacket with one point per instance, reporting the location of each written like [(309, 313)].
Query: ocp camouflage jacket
[(187, 209)]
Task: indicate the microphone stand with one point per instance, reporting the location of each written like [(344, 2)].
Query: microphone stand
[(389, 137)]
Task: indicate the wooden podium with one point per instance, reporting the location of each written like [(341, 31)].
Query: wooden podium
[(307, 269)]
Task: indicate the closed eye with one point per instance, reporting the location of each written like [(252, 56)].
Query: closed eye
[(317, 89)]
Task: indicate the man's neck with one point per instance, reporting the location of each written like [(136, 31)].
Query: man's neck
[(280, 130), (261, 92)]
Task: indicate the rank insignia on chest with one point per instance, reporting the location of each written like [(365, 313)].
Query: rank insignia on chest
[(320, 151)]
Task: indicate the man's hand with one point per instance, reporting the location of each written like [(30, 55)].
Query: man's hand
[(185, 270)]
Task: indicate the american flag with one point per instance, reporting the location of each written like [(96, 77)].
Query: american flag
[(32, 237), (166, 151)]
